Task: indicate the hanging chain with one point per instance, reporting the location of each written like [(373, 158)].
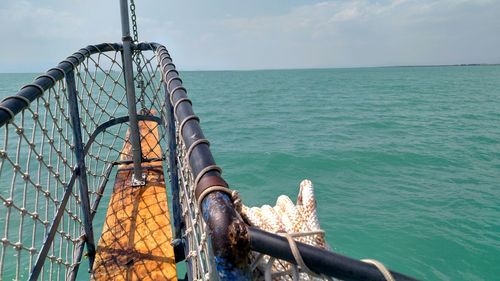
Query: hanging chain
[(138, 62), (133, 17)]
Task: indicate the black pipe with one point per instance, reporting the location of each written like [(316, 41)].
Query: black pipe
[(318, 260), (12, 105), (227, 231)]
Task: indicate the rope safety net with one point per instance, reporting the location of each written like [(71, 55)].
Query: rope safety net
[(61, 138), (195, 234), (300, 220), (39, 173)]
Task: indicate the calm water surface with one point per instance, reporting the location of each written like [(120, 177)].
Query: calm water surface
[(405, 161)]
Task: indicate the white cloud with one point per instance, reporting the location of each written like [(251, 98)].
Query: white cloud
[(357, 33), (262, 35)]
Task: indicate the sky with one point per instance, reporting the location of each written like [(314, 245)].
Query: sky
[(259, 34)]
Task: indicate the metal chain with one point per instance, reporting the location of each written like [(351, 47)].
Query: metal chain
[(133, 17), (140, 82), (138, 62)]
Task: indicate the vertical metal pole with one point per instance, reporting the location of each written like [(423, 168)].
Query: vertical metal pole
[(172, 163), (49, 239), (78, 252), (134, 137), (174, 181), (80, 159)]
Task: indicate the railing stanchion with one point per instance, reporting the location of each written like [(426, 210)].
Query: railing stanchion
[(80, 159), (172, 163), (134, 137), (49, 239), (78, 252)]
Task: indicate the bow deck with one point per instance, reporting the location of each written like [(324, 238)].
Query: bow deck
[(136, 236)]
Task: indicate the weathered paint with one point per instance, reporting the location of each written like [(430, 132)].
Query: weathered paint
[(228, 234), (229, 237)]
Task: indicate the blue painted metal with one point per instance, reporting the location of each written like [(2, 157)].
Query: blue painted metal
[(80, 159), (179, 223), (101, 128), (40, 259), (145, 160), (316, 259), (228, 237), (228, 234)]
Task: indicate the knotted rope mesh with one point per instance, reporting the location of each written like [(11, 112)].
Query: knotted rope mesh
[(196, 234), (199, 253), (38, 162), (35, 167), (40, 177)]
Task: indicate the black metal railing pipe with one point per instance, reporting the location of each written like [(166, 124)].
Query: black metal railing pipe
[(318, 260), (12, 105), (228, 233), (218, 210)]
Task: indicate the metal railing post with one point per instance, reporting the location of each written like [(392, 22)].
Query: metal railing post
[(134, 137), (78, 252), (49, 239), (172, 163), (80, 159)]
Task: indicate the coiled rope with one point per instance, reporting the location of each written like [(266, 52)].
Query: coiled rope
[(296, 222)]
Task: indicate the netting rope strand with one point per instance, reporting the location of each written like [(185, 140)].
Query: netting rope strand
[(42, 214)]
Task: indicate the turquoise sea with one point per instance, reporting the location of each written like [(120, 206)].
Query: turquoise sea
[(405, 160)]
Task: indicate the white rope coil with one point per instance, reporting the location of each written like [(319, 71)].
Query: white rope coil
[(296, 222), (288, 217)]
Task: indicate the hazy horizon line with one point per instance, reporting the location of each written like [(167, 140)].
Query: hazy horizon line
[(305, 68)]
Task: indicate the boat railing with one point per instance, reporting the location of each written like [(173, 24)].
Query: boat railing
[(61, 138), (208, 225)]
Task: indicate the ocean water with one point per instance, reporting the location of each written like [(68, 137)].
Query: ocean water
[(405, 160)]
